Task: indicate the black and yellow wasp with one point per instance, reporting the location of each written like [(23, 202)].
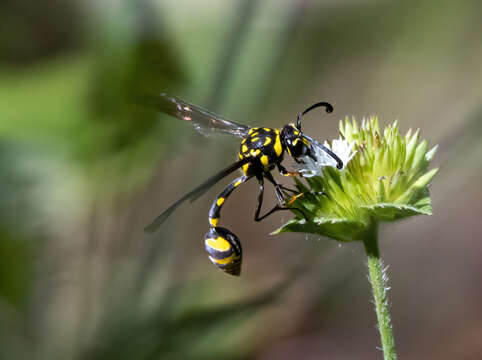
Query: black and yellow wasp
[(261, 150)]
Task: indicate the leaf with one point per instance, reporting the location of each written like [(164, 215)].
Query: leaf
[(335, 228), (391, 211)]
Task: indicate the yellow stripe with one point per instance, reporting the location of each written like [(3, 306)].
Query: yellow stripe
[(245, 168), (277, 146), (214, 221), (244, 148), (244, 140), (295, 141), (264, 160), (267, 141), (255, 152), (267, 129), (255, 139), (223, 261), (219, 244), (236, 184), (252, 130), (240, 156), (220, 201)]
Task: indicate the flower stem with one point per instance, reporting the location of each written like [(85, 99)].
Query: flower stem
[(378, 279)]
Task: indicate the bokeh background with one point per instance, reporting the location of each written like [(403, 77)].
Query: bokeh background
[(82, 171)]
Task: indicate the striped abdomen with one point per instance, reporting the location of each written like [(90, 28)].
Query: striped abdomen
[(224, 250)]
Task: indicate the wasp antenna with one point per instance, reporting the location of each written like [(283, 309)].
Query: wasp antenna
[(298, 121), (328, 108)]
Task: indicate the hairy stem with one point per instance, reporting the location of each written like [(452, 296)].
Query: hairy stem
[(378, 279)]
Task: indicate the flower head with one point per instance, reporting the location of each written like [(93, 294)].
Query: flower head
[(385, 178)]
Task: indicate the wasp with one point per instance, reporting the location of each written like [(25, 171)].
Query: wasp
[(262, 149)]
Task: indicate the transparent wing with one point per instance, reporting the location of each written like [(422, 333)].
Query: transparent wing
[(322, 155), (203, 120), (194, 194)]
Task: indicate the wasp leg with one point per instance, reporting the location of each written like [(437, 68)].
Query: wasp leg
[(293, 198), (288, 189), (279, 193), (285, 172), (282, 170), (260, 199), (277, 207)]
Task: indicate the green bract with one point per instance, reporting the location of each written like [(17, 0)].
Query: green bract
[(386, 180)]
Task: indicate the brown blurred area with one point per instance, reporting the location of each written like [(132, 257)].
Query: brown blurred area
[(83, 170)]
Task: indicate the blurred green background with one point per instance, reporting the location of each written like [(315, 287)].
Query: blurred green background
[(83, 171)]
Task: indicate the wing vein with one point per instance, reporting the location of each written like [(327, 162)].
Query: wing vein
[(204, 121)]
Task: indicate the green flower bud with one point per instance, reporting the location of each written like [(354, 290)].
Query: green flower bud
[(385, 178)]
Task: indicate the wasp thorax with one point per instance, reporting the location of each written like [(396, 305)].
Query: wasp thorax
[(294, 142), (224, 249)]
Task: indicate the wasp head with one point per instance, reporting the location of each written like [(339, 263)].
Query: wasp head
[(294, 142)]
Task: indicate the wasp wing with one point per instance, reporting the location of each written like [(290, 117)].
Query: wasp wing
[(203, 120), (323, 154), (194, 194)]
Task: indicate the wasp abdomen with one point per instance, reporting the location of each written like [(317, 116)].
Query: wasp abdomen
[(224, 249), (222, 245)]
